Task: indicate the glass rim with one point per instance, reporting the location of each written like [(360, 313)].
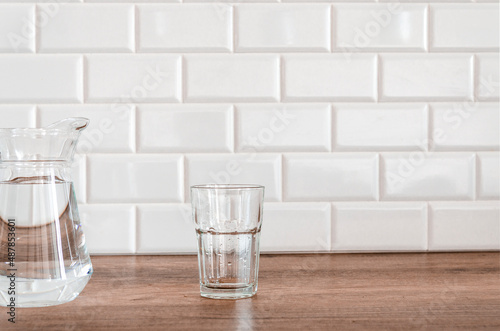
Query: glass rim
[(228, 187)]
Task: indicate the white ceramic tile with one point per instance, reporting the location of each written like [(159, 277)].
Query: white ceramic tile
[(427, 176), (328, 0), (44, 1), (186, 27), (330, 77), (488, 172), (135, 178), (237, 168), (464, 26), (108, 229), (17, 28), (320, 177), (41, 78), (432, 1), (380, 126), (133, 78), (111, 129), (426, 77), (87, 28), (466, 126), (264, 27), (296, 227), (229, 1), (380, 27), (17, 116), (138, 1), (165, 229), (185, 128), (283, 127), (464, 226), (487, 77), (379, 226), (216, 2), (232, 78)]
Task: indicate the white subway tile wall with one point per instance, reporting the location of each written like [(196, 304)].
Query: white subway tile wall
[(487, 77), (133, 78), (330, 77), (229, 77), (282, 27), (29, 78), (464, 27), (464, 226), (378, 27), (185, 28), (416, 77), (427, 176), (83, 28), (382, 226), (283, 127), (18, 116), (374, 125), (16, 19), (488, 176)]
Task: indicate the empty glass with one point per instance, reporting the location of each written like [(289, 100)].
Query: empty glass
[(43, 256), (228, 220)]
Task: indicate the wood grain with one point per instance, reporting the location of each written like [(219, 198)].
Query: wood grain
[(296, 292)]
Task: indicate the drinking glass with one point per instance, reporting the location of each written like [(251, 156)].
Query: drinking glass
[(228, 220)]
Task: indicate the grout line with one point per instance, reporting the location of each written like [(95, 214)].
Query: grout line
[(427, 225), (478, 175), (333, 123), (235, 129), (136, 228), (37, 117), (185, 182), (427, 27), (234, 28), (475, 78), (378, 70), (281, 80), (87, 178), (475, 182), (85, 185), (84, 80), (430, 127), (332, 229), (183, 79), (282, 178), (136, 135), (136, 29), (36, 40), (380, 178), (331, 25)]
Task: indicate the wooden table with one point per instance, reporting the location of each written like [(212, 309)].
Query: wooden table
[(296, 292)]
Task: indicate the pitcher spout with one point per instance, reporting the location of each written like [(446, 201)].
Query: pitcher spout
[(75, 124), (56, 142)]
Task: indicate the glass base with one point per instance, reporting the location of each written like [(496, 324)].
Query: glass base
[(42, 292), (225, 293)]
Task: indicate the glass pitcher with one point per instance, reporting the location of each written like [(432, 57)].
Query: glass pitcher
[(43, 255)]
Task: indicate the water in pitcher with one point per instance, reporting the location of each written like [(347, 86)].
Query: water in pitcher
[(50, 260), (228, 260)]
